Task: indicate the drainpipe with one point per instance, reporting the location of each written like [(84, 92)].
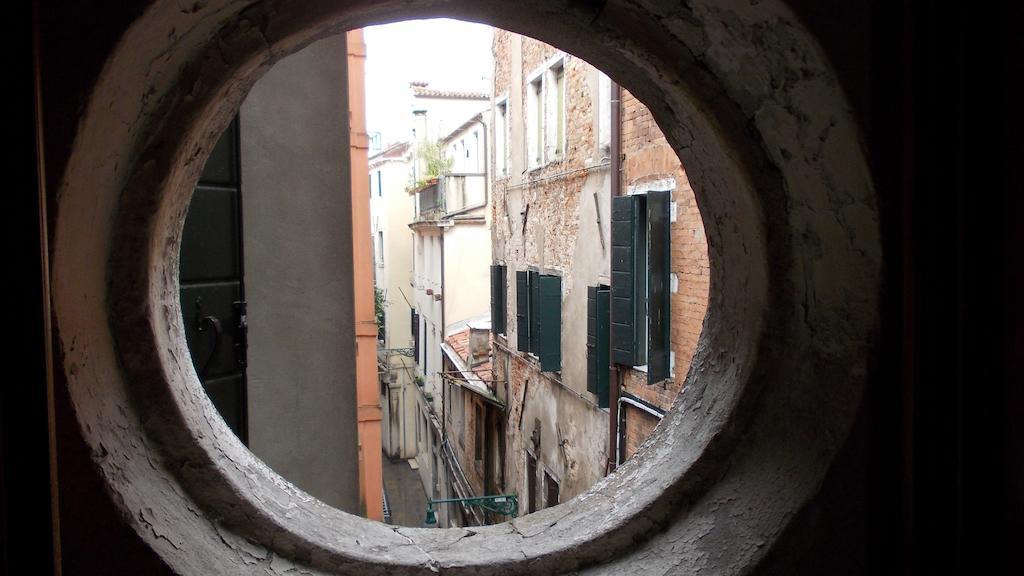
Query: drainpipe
[(615, 170), (636, 403)]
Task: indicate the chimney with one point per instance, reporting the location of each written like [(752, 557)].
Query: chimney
[(479, 343)]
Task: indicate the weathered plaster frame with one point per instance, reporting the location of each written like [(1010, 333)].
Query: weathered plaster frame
[(746, 98)]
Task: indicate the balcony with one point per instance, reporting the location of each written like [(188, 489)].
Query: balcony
[(430, 203), (449, 195), (463, 192)]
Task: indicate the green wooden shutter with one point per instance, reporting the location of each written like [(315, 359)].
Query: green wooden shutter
[(603, 346), (627, 313), (658, 291), (522, 311), (549, 322), (497, 299), (592, 339), (598, 375), (534, 301)]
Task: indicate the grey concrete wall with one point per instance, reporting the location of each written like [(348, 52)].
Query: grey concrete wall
[(298, 253)]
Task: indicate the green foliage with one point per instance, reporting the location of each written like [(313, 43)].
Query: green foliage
[(379, 303), (438, 163)]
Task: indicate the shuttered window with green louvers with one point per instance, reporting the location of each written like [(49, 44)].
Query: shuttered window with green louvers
[(659, 299), (522, 311), (534, 302), (598, 369), (627, 310), (498, 299), (539, 317), (640, 294), (549, 322)]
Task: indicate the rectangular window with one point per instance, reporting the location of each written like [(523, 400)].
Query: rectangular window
[(478, 440), (415, 324), (498, 297), (555, 104), (604, 111), (551, 490), (531, 483), (640, 292), (380, 246), (598, 320), (501, 138), (539, 317), (522, 311), (534, 122)]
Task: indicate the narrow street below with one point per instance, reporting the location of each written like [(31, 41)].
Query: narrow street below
[(404, 493)]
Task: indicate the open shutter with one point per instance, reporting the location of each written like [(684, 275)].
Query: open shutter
[(627, 314), (598, 374), (658, 292), (532, 310), (603, 348), (522, 311), (549, 322), (497, 299), (592, 339)]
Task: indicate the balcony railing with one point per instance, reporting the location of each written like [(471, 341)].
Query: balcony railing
[(463, 191), (431, 203), (451, 194)]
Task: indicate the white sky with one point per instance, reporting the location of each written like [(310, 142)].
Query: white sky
[(449, 54)]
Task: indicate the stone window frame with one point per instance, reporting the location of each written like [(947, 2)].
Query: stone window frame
[(502, 164), (761, 374), (542, 76), (659, 185)]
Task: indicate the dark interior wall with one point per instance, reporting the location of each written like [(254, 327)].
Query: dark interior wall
[(935, 457)]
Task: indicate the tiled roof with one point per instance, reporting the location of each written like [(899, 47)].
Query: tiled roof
[(423, 92), (396, 150), (460, 343)]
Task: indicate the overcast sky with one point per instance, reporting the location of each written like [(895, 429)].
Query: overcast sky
[(449, 54)]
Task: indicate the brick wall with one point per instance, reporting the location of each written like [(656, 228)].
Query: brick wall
[(647, 159), (551, 198)]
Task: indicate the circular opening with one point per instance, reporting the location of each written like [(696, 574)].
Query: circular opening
[(269, 330), (794, 260)]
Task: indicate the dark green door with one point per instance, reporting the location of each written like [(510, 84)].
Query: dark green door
[(212, 289)]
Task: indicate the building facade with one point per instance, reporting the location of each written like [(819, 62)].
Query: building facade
[(600, 278), (390, 210), (451, 254)]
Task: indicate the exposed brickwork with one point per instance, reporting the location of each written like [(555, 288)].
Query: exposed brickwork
[(553, 198), (648, 159)]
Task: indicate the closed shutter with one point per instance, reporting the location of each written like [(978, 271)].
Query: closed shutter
[(498, 299), (658, 293), (549, 322), (598, 375), (522, 311), (627, 314), (534, 317)]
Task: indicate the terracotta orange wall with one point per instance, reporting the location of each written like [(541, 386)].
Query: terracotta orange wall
[(367, 397)]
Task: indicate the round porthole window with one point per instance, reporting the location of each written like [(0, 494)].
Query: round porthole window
[(794, 252)]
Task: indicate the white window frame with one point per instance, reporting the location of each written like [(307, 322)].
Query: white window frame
[(501, 140), (541, 102), (663, 185)]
